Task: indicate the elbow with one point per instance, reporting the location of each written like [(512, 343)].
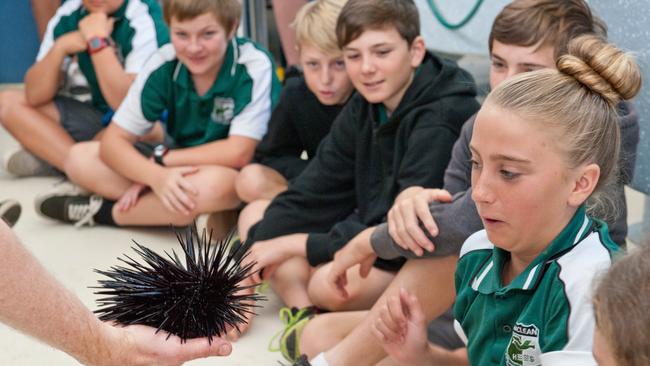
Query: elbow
[(242, 159)]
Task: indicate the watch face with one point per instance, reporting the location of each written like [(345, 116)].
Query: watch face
[(159, 150), (95, 42)]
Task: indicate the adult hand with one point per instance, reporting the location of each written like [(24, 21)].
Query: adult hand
[(248, 288), (71, 43), (405, 216), (96, 25), (140, 345), (356, 251), (130, 197), (401, 328), (175, 191)]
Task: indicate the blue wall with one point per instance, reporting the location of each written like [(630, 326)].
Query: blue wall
[(18, 40)]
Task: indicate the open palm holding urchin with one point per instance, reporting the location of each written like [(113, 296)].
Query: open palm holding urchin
[(201, 297)]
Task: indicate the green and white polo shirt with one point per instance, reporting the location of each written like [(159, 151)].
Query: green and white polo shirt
[(545, 315), (238, 103), (139, 30)]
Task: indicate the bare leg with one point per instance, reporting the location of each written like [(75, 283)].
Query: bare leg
[(290, 281), (36, 128), (251, 214), (326, 330), (85, 168), (258, 182), (285, 12), (363, 292), (216, 186), (431, 280)]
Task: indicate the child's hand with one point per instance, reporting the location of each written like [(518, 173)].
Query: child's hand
[(96, 25), (402, 329), (71, 43), (268, 254), (130, 197), (175, 191), (405, 215), (356, 251)]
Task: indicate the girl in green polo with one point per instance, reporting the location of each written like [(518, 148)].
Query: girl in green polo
[(544, 143)]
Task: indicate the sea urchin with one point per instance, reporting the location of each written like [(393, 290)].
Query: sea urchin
[(198, 298)]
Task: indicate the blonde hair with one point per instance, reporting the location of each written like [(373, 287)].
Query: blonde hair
[(227, 12), (315, 24), (577, 102), (621, 302)]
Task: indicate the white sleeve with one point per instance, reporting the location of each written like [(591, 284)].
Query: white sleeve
[(144, 42), (67, 8), (129, 115), (253, 120)]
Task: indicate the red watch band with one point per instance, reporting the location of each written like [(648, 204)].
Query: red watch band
[(97, 44)]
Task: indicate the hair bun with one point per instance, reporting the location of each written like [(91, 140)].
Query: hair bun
[(601, 67)]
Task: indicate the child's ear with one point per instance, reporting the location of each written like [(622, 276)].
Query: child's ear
[(584, 184), (418, 50)]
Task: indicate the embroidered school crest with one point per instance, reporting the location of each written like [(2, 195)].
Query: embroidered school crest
[(523, 349), (223, 110)]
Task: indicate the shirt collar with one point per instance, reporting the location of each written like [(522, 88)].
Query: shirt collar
[(488, 278)]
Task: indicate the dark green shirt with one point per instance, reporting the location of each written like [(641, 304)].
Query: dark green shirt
[(139, 30), (544, 316), (238, 103)]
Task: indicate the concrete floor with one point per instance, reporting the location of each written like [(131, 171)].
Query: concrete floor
[(72, 254)]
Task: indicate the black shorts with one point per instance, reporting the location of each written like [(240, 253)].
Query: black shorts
[(81, 120)]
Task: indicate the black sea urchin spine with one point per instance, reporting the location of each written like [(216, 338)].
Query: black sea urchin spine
[(198, 298)]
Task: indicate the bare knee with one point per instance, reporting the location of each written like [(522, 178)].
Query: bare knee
[(9, 101), (216, 186), (252, 213), (250, 183), (78, 159)]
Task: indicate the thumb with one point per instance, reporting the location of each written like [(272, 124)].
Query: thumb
[(365, 266), (201, 348), (189, 170)]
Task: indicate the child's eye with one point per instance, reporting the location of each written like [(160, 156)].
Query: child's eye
[(339, 64), (382, 53), (498, 65), (312, 65), (209, 34), (351, 56), (181, 35), (475, 164), (508, 175)]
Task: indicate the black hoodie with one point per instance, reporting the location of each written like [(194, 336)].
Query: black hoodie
[(361, 166)]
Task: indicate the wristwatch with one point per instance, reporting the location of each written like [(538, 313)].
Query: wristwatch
[(159, 153), (97, 44)]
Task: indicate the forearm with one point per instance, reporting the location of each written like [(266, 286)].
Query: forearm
[(42, 80), (227, 152), (32, 301), (113, 80), (117, 151)]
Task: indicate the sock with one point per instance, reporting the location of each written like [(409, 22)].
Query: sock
[(105, 214), (319, 360)]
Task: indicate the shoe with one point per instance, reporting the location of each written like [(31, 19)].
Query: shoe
[(294, 320), (302, 361), (76, 209), (21, 163), (10, 211)]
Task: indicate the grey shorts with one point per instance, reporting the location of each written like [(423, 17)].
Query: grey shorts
[(441, 332), (81, 120)]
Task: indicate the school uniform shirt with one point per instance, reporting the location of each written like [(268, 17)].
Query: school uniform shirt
[(299, 123), (238, 103), (363, 164), (544, 316), (139, 30)]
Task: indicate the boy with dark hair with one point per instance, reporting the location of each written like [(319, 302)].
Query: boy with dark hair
[(396, 132), (111, 40), (215, 92)]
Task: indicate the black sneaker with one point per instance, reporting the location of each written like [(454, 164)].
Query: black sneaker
[(10, 211), (288, 339), (302, 361), (75, 209)]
